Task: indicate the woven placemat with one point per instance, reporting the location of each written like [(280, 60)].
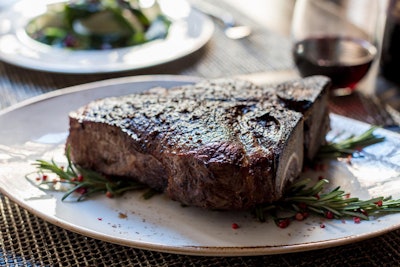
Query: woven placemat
[(26, 240)]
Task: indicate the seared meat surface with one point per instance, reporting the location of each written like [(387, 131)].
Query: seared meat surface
[(219, 144)]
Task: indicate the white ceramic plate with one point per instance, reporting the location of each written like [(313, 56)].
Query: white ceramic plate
[(190, 30), (37, 129)]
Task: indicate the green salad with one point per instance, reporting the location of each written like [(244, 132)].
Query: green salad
[(99, 24)]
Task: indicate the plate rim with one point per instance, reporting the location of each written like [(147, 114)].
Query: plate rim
[(184, 250)]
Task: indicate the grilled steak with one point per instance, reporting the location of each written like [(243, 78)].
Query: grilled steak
[(220, 144)]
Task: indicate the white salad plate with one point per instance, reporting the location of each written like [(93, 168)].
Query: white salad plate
[(37, 129), (190, 30)]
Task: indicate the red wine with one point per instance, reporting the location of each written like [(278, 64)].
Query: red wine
[(345, 60)]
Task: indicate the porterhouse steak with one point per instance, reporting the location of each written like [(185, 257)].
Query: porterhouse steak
[(219, 144)]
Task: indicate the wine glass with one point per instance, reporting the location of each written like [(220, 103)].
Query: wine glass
[(335, 38)]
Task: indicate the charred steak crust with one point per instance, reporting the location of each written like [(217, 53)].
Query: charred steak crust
[(219, 144), (310, 97)]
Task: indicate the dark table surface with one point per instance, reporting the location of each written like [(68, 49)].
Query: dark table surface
[(26, 240)]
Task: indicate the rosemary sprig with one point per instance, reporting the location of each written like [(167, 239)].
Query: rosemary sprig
[(300, 200), (84, 182), (303, 199), (350, 145)]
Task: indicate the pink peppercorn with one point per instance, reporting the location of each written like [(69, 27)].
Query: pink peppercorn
[(81, 190), (299, 216), (329, 215), (283, 223)]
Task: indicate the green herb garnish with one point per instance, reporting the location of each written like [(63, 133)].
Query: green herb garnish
[(301, 199), (350, 145), (84, 182), (304, 198)]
